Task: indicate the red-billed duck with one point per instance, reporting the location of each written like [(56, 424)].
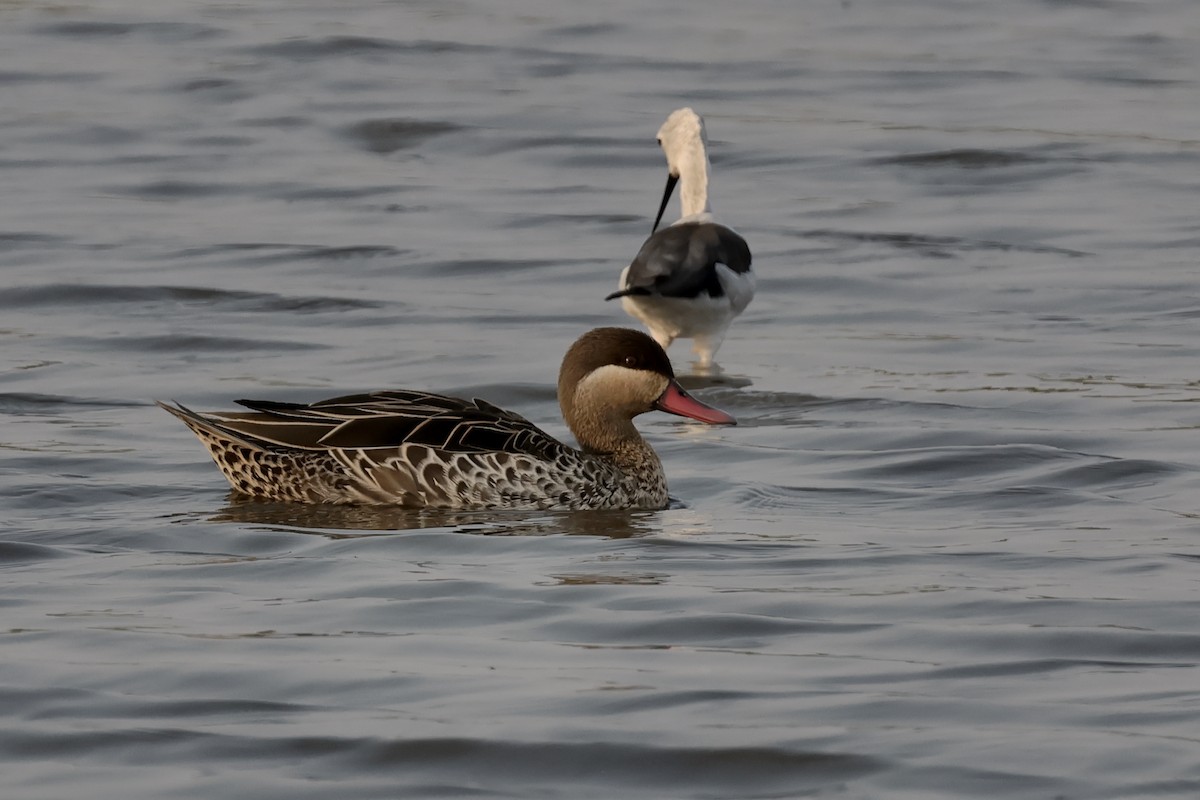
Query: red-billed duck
[(415, 449)]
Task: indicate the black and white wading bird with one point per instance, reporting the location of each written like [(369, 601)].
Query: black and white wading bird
[(693, 277)]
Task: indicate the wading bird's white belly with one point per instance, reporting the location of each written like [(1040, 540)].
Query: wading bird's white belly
[(670, 318)]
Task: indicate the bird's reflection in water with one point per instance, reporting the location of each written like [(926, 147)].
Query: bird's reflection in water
[(336, 521), (711, 378)]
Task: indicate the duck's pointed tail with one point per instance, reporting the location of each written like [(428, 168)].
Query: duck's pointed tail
[(206, 428)]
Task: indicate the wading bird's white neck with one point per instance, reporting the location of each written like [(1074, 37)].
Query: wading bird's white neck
[(683, 143), (693, 184)]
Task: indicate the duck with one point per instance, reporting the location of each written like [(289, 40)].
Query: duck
[(693, 277), (415, 449)]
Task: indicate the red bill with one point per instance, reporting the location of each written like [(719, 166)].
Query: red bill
[(677, 401)]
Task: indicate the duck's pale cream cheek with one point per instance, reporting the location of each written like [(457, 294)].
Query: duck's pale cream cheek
[(619, 388)]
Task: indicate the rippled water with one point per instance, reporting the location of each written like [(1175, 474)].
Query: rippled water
[(950, 551)]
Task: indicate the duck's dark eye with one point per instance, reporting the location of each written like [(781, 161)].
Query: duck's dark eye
[(631, 362)]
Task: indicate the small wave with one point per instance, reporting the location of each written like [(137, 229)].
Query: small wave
[(175, 189), (15, 76), (208, 84), (539, 221), (934, 245), (1114, 473), (17, 240), (721, 631), (314, 48), (935, 466), (260, 253), (98, 707), (21, 403), (484, 267), (320, 193), (284, 122), (727, 771), (27, 552), (1007, 669), (586, 30), (321, 253), (967, 158), (189, 343), (758, 409), (168, 32), (454, 766), (95, 136), (59, 295), (776, 497), (573, 145), (389, 135)]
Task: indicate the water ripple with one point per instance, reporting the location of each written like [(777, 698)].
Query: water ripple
[(24, 553), (31, 403), (163, 32), (315, 48), (92, 295), (449, 762), (385, 136), (949, 552), (937, 246), (965, 158)]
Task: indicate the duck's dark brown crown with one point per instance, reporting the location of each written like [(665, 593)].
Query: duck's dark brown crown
[(622, 347)]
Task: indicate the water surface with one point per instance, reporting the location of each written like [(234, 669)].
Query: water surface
[(950, 551)]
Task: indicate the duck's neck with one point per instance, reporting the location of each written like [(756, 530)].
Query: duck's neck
[(618, 442), (614, 438), (694, 170), (642, 481), (596, 408)]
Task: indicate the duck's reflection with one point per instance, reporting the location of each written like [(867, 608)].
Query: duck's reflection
[(337, 521)]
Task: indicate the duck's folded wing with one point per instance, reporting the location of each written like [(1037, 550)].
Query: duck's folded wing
[(387, 420), (370, 404)]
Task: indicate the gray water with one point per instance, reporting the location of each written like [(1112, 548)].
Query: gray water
[(949, 552)]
